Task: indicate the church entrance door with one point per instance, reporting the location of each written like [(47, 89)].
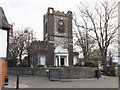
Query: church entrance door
[(62, 61)]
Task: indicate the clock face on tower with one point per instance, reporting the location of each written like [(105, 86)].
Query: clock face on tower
[(60, 26), (60, 22)]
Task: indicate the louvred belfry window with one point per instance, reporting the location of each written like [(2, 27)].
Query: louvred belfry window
[(60, 26)]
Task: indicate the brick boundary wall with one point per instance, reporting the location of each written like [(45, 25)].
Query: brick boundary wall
[(3, 73), (0, 74), (66, 73)]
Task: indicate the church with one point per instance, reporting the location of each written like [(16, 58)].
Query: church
[(56, 49)]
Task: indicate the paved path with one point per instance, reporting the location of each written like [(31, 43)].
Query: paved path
[(41, 82)]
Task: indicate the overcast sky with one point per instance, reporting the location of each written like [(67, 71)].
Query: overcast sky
[(29, 13)]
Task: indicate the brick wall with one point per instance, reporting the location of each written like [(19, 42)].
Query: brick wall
[(0, 74), (3, 72), (66, 73)]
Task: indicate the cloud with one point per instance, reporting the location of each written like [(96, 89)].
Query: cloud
[(29, 13)]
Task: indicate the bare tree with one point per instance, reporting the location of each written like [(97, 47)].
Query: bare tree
[(21, 42), (29, 39), (102, 19), (110, 58), (82, 38), (17, 45)]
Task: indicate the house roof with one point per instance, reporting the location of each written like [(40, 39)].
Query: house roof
[(3, 21)]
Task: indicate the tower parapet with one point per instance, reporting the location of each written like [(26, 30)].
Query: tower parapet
[(51, 11)]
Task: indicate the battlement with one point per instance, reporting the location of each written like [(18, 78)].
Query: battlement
[(51, 11)]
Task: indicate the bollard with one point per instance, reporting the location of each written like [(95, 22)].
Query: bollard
[(49, 75), (119, 81), (6, 80), (17, 83), (97, 72)]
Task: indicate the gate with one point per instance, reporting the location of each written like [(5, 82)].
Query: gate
[(54, 74)]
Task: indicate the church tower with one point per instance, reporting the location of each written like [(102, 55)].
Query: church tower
[(58, 38)]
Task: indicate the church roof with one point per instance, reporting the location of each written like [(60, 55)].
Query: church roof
[(38, 47), (3, 21)]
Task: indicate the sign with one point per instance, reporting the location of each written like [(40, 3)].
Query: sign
[(3, 43), (11, 30), (118, 60), (47, 70)]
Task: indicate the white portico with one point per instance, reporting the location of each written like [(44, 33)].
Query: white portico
[(61, 56)]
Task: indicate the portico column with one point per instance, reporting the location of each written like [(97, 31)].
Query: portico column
[(56, 61), (67, 60), (59, 61)]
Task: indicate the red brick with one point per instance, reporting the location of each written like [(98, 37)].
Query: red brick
[(3, 72)]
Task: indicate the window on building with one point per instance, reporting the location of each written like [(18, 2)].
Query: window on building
[(39, 61), (51, 10), (46, 28)]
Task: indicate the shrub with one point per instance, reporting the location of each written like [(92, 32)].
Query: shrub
[(90, 63), (41, 66), (23, 65), (63, 66), (12, 62), (95, 59), (78, 65)]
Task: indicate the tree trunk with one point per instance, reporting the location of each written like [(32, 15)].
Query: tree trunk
[(20, 58), (28, 59), (85, 54), (104, 63), (85, 57)]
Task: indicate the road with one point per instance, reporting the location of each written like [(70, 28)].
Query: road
[(42, 82)]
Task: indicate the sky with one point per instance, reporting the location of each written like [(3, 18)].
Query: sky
[(29, 13)]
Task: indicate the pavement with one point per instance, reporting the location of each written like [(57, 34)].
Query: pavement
[(43, 82)]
